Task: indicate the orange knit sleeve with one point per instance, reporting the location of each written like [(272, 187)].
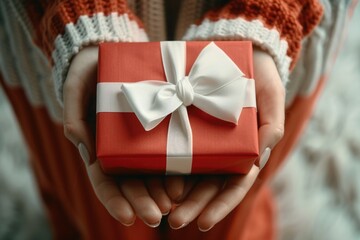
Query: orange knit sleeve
[(277, 26)]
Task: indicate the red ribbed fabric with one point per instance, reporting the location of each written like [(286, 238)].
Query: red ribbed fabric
[(49, 18), (293, 19)]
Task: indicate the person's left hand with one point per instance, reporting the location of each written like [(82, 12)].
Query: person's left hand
[(124, 197)]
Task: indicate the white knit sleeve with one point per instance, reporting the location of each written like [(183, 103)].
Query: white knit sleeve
[(241, 29), (91, 30)]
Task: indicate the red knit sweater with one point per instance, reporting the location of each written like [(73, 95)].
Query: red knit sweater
[(62, 28)]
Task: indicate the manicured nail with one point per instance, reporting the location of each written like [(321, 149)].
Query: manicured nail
[(264, 157), (153, 225), (128, 224), (165, 213), (181, 226), (205, 230), (84, 153)]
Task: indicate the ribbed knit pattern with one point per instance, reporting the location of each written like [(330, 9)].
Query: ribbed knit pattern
[(153, 16), (294, 19), (62, 28), (236, 29), (74, 211), (91, 30), (70, 25), (191, 11), (277, 26), (61, 13)]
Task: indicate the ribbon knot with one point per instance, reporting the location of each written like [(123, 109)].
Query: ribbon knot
[(185, 91)]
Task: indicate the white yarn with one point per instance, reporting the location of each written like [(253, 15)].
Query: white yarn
[(239, 28), (91, 30)]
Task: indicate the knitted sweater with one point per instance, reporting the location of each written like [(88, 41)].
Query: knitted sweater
[(40, 37)]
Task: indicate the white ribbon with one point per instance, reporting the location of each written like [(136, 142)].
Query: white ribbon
[(215, 85)]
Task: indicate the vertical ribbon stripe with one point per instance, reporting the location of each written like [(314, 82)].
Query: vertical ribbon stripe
[(179, 139)]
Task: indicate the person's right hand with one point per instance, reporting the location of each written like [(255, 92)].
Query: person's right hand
[(211, 198), (123, 197)]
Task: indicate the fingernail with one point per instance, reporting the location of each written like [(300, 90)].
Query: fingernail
[(181, 226), (205, 230), (165, 213), (153, 225), (128, 224), (84, 153), (264, 157)]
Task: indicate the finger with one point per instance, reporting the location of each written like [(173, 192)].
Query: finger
[(271, 107), (175, 187), (178, 187), (79, 85), (190, 183), (233, 193), (110, 196), (157, 191), (270, 101), (144, 206), (193, 205)]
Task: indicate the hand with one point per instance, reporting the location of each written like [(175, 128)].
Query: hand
[(126, 197), (213, 198)]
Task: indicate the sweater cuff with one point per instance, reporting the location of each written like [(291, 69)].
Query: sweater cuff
[(241, 29), (90, 30)]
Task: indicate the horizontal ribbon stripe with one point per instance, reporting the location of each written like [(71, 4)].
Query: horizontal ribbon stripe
[(110, 97)]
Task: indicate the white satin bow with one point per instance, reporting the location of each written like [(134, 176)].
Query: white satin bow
[(215, 85)]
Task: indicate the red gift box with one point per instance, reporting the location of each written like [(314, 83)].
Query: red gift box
[(217, 145)]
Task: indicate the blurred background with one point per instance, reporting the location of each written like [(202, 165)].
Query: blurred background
[(317, 190)]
